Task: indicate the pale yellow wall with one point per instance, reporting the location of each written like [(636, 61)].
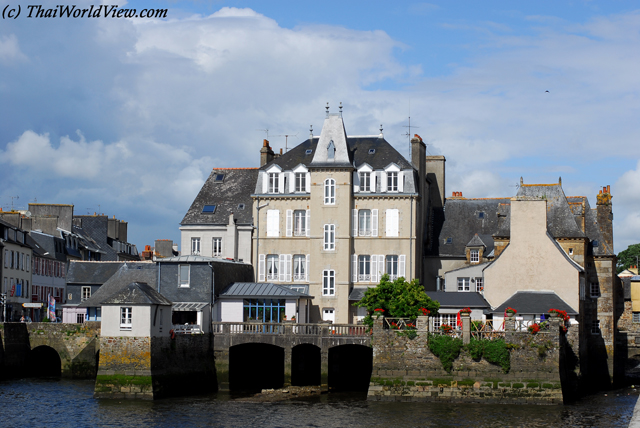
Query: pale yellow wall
[(635, 296), (531, 261)]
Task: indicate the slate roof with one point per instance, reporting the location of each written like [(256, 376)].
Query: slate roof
[(137, 293), (129, 272), (476, 242), (560, 219), (91, 272), (48, 245), (458, 300), (194, 259), (236, 189), (535, 302), (357, 293), (259, 290)]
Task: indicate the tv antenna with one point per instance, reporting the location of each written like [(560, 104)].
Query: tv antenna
[(264, 130), (12, 198), (286, 140), (408, 133)]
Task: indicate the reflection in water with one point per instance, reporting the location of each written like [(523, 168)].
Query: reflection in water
[(62, 403)]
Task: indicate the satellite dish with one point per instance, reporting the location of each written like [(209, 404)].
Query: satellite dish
[(28, 214)]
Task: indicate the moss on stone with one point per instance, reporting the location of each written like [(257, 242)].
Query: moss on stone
[(122, 380), (517, 385), (533, 385), (547, 386), (466, 382)]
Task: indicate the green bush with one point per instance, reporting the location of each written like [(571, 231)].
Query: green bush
[(494, 351), (476, 348), (446, 348)]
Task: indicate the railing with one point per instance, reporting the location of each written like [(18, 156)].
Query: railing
[(349, 330), (299, 277), (399, 323), (187, 329), (485, 330), (364, 278), (453, 332), (272, 277)]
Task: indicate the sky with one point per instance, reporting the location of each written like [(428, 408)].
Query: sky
[(128, 116)]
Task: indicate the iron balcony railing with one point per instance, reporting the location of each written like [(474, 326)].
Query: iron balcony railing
[(348, 330)]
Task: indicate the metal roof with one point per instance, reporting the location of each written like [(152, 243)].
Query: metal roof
[(260, 289), (194, 259), (188, 306), (357, 293)]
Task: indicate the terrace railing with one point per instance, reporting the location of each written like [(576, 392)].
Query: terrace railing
[(302, 329)]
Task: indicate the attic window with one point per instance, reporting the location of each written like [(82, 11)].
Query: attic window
[(219, 178), (448, 241), (240, 206), (372, 151), (308, 152), (595, 243), (209, 209), (481, 214), (331, 150)]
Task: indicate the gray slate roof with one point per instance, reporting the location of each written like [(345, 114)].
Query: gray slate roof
[(137, 293), (476, 242), (91, 272), (129, 272), (47, 243), (535, 302), (236, 189), (357, 293), (194, 259), (458, 300), (259, 290)]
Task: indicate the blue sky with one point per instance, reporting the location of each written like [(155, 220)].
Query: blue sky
[(128, 117)]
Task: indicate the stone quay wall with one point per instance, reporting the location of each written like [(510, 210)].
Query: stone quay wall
[(404, 369)]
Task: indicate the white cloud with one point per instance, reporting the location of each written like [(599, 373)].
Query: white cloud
[(10, 50)]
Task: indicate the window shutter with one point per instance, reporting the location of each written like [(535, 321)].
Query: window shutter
[(374, 222), (288, 268), (308, 224), (289, 222), (308, 183), (381, 265), (401, 266), (292, 182), (354, 222), (401, 181), (261, 258), (392, 222), (265, 182), (383, 181), (308, 260), (354, 268), (374, 268), (356, 182), (282, 267)]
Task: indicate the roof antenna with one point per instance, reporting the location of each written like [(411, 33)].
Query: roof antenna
[(327, 107), (264, 130), (408, 133), (286, 140), (12, 198), (340, 108)]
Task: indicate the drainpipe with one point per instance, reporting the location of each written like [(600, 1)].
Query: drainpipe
[(411, 238), (211, 302)]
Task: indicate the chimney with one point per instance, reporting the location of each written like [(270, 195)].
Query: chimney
[(418, 153), (164, 248), (436, 175), (604, 215), (266, 154), (528, 218)]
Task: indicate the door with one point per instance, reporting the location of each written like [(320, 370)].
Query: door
[(328, 315)]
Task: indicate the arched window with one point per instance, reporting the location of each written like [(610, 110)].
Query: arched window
[(331, 150), (329, 191)]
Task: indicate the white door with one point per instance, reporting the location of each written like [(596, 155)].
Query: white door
[(329, 315)]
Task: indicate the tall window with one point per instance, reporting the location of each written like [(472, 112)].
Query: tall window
[(125, 318), (392, 267), (328, 282), (365, 181), (272, 267), (86, 293), (474, 256), (217, 247), (273, 182), (299, 223), (479, 284), (299, 268), (595, 290), (364, 268), (184, 272), (329, 191), (195, 245), (364, 222), (330, 237), (463, 284), (392, 181), (636, 317), (301, 182), (595, 327)]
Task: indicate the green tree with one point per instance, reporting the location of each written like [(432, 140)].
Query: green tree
[(398, 299), (628, 257)]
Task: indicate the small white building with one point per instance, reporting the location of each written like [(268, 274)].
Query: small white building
[(137, 310)]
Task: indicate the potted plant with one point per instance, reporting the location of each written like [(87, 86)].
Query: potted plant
[(559, 313), (446, 328), (534, 328), (465, 312), (510, 312)]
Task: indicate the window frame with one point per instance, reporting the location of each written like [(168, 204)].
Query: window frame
[(182, 284), (299, 263), (392, 181), (329, 191), (474, 256), (299, 222), (389, 265), (273, 183), (329, 237), (300, 182), (364, 268), (594, 290), (635, 317), (83, 295), (595, 327), (216, 244), (196, 245), (479, 284), (365, 214), (328, 282), (365, 181), (126, 318), (464, 284), (272, 260)]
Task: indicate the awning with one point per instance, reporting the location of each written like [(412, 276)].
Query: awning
[(188, 306), (32, 305)]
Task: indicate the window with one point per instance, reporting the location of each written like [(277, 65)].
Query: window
[(440, 319), (273, 223), (125, 318), (636, 317), (330, 237), (364, 268), (448, 240), (299, 223), (272, 267), (301, 182), (195, 246), (393, 222), (80, 318), (595, 290), (595, 327), (364, 222), (299, 268), (216, 247), (571, 251), (331, 150), (481, 214), (328, 282), (184, 273), (208, 209), (329, 191), (365, 181), (464, 284), (479, 286), (86, 293), (308, 151), (392, 181), (273, 182), (392, 267), (372, 151), (240, 206), (219, 178), (474, 256)]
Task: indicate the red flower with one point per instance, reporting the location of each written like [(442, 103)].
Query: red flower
[(563, 314), (425, 311), (465, 311), (379, 310), (510, 310), (534, 328)]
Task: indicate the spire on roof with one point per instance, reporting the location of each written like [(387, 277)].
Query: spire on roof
[(332, 146)]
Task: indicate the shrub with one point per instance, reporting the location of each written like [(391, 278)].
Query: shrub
[(446, 348), (475, 348), (494, 351)]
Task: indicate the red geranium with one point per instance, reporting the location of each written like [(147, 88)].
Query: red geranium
[(465, 311), (425, 311), (510, 310), (561, 313), (534, 328)]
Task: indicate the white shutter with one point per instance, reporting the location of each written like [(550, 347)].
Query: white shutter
[(308, 224), (261, 258), (383, 181), (308, 183), (282, 267), (354, 223), (308, 259), (288, 268), (281, 182), (374, 222), (374, 268), (392, 222), (265, 182), (273, 223), (354, 268), (401, 181), (356, 182), (381, 265), (289, 222), (292, 182), (401, 265)]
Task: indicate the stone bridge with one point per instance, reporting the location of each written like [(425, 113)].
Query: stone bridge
[(70, 350)]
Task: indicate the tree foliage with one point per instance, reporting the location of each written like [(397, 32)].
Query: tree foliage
[(398, 299), (628, 258)]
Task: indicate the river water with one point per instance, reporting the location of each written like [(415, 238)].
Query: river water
[(69, 403)]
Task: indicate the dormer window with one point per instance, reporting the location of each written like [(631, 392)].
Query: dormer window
[(372, 151), (331, 150), (273, 182), (392, 181), (474, 256), (365, 181)]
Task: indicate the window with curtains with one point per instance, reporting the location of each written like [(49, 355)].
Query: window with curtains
[(272, 267), (364, 268), (299, 268), (392, 267), (364, 222), (299, 223)]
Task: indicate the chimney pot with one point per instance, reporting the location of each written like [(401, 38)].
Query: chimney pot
[(280, 150), (265, 143)]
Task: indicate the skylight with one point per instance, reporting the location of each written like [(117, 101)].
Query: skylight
[(219, 178), (480, 214), (448, 241), (209, 209), (308, 152), (372, 151), (240, 206)]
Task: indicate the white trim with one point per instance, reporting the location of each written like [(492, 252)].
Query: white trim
[(261, 267), (374, 222), (354, 268), (289, 222)]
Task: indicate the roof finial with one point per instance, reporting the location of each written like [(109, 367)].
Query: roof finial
[(381, 135), (521, 181), (560, 181), (340, 108), (311, 132), (327, 107)]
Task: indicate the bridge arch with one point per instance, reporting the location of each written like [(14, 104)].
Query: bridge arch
[(44, 361), (306, 366), (255, 366), (350, 367)]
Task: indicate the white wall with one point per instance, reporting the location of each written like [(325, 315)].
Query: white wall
[(231, 310), (141, 321)]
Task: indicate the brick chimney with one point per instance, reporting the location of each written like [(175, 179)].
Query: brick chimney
[(266, 153), (605, 216)]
